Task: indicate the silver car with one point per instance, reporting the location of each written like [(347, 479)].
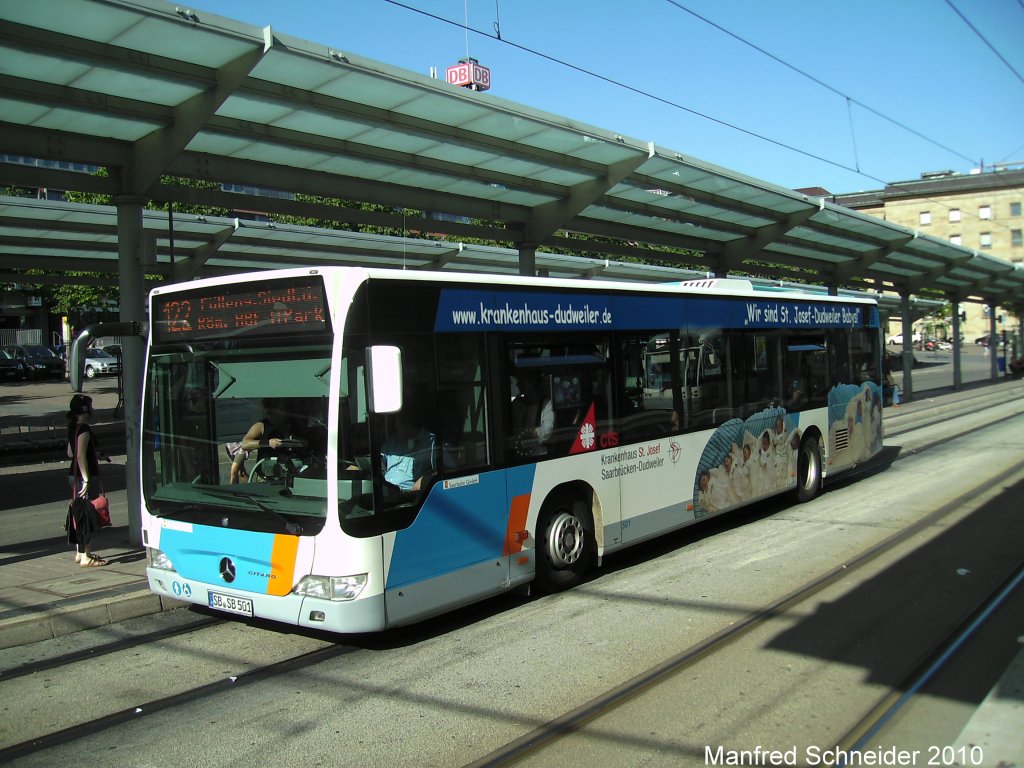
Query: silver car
[(100, 363)]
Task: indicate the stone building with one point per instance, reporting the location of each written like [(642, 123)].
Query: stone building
[(981, 210)]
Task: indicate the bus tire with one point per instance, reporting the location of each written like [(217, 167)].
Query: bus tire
[(564, 542), (808, 469)]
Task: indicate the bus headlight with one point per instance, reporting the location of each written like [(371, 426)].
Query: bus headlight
[(158, 559), (332, 587)]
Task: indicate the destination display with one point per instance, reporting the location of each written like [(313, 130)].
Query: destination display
[(271, 308), (465, 310)]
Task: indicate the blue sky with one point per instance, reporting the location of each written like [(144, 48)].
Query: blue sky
[(915, 62)]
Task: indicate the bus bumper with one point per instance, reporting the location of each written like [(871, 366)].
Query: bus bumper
[(366, 614)]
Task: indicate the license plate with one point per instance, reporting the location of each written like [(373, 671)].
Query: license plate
[(230, 603)]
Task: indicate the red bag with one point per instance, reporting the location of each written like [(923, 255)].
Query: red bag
[(102, 507)]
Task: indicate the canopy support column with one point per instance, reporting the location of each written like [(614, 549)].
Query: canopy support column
[(908, 347), (958, 380), (133, 354), (993, 344)]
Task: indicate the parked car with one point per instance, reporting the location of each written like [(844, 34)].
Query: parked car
[(10, 367), (983, 340), (897, 339), (112, 349), (99, 362), (40, 362)]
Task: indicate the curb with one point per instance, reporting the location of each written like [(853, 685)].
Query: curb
[(35, 627)]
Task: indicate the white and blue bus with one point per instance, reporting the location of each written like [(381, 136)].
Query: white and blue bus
[(412, 442)]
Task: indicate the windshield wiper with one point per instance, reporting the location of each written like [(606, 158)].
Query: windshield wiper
[(179, 509), (293, 528)]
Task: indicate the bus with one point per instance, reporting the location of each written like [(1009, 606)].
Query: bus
[(353, 449)]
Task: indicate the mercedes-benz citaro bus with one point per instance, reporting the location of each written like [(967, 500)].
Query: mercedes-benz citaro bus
[(352, 449)]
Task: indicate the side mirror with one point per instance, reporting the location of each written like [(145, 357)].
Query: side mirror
[(384, 365)]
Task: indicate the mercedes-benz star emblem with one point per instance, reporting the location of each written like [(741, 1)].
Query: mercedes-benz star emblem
[(227, 569)]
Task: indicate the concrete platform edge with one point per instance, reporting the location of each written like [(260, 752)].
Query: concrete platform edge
[(33, 628)]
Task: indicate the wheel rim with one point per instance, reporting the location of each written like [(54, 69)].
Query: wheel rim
[(809, 465), (565, 540)]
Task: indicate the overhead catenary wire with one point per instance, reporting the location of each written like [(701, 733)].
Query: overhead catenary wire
[(697, 113), (631, 88), (822, 83), (984, 40)]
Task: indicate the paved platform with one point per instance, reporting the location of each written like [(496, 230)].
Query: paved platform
[(45, 594)]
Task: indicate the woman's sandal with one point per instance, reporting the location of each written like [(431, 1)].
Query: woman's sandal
[(94, 562)]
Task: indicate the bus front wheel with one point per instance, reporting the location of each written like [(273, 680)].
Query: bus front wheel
[(808, 472), (564, 543)]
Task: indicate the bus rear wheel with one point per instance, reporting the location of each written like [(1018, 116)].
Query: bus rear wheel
[(808, 469), (564, 543)]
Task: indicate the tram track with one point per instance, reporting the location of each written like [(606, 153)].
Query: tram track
[(547, 735), (861, 735), (144, 709), (105, 649), (966, 404)]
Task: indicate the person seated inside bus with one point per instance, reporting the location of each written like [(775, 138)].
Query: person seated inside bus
[(533, 415), (268, 434), (797, 396), (276, 435), (407, 454), (238, 473)]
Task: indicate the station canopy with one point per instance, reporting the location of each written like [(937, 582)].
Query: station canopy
[(60, 236), (191, 109)]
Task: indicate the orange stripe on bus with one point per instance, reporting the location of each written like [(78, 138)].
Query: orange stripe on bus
[(516, 522), (282, 564)]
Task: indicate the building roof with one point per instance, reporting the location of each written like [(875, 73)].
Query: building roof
[(935, 184)]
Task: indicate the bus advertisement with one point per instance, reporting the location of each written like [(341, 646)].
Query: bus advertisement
[(351, 449)]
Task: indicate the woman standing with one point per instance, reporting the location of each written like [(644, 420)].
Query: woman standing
[(83, 476)]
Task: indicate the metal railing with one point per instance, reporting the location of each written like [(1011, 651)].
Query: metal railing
[(11, 336)]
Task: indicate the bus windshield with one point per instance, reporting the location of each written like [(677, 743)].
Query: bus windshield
[(235, 434)]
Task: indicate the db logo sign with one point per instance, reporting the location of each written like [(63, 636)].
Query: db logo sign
[(469, 74)]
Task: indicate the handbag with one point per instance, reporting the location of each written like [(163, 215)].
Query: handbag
[(102, 508)]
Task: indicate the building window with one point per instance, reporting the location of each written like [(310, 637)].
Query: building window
[(1015, 238), (956, 239), (986, 239), (954, 215), (1015, 209), (925, 218), (985, 212)]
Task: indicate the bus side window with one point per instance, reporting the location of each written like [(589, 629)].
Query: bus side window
[(705, 373), (461, 404), (414, 427), (646, 395), (553, 388)]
